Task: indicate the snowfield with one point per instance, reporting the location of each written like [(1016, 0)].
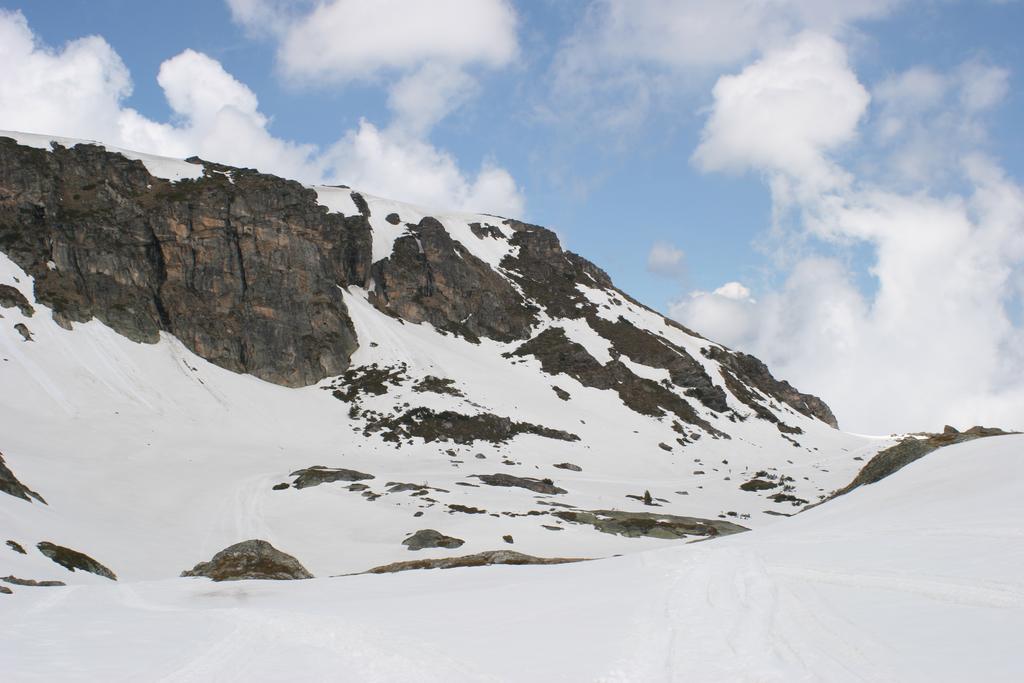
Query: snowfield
[(916, 578)]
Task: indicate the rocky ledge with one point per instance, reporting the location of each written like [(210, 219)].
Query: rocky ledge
[(477, 560)]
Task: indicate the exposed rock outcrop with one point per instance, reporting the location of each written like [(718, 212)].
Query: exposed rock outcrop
[(72, 560), (15, 581), (430, 425), (652, 524), (430, 277), (915, 447), (558, 354), (535, 485), (253, 559), (477, 560), (12, 298), (242, 267), (753, 372), (318, 474), (247, 270), (430, 538), (10, 485)]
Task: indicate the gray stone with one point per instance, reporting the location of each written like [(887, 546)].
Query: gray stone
[(72, 560), (429, 538), (318, 474), (253, 559), (536, 485)]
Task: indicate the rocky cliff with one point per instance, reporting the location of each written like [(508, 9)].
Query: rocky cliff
[(247, 270)]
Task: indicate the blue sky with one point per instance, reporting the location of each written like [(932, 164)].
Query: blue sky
[(885, 116)]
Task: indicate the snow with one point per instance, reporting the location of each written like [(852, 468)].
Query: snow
[(891, 582), (158, 166)]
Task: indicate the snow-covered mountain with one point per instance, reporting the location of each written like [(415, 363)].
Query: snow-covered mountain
[(194, 355)]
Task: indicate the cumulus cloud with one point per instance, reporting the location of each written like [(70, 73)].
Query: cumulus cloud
[(626, 55), (785, 112), (937, 337), (391, 166), (421, 50), (666, 259), (348, 40), (80, 91)]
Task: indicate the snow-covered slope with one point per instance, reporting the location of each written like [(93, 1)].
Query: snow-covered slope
[(474, 346), (151, 459), (915, 578)]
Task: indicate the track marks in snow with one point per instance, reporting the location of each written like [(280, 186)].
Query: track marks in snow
[(943, 589)]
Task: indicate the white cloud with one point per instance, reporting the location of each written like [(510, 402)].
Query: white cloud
[(727, 315), (425, 96), (666, 259), (696, 33), (79, 91), (784, 112), (628, 56), (347, 40), (421, 50), (735, 291), (388, 165), (936, 339)]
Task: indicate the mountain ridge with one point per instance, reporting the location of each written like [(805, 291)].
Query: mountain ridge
[(475, 378)]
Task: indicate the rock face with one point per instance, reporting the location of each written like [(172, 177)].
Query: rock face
[(72, 559), (430, 277), (895, 458), (752, 372), (242, 267), (429, 538), (247, 270), (252, 559), (10, 485)]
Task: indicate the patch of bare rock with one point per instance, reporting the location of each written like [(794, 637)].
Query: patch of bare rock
[(483, 559), (72, 560), (430, 538), (253, 559)]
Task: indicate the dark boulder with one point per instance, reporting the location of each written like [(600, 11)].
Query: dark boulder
[(318, 474), (429, 538), (72, 560), (252, 559), (536, 485), (759, 485)]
